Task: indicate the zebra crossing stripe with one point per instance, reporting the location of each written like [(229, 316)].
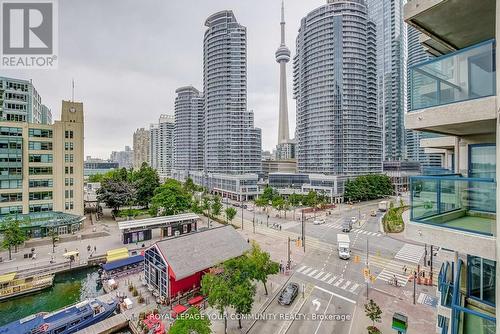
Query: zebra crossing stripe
[(307, 270), (301, 268), (330, 281), (326, 277), (339, 282), (353, 287), (312, 273), (410, 253), (387, 275), (346, 285), (319, 275)]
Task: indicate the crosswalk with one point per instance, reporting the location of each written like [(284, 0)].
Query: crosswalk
[(387, 275), (365, 232), (410, 253), (330, 279)]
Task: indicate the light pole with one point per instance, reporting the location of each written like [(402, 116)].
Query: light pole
[(241, 198), (253, 220)]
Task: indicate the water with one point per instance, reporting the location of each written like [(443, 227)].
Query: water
[(68, 288)]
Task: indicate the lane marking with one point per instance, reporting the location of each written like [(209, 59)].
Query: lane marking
[(335, 294)]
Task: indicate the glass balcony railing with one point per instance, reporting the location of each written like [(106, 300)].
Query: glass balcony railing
[(467, 204), (463, 75)]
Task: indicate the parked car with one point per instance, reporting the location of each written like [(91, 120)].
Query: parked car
[(346, 227), (319, 221), (354, 220), (373, 213), (288, 294)]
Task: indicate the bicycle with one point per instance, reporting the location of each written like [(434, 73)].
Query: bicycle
[(393, 281)]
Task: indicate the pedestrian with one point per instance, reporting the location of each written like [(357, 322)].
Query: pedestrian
[(65, 250), (395, 279), (405, 269), (280, 227), (95, 249)]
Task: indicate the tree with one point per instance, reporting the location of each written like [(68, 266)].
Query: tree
[(368, 187), (196, 207), (145, 181), (373, 312), (278, 203), (230, 214), (218, 289), (54, 236), (269, 194), (294, 200), (170, 199), (216, 206), (262, 265), (242, 298), (13, 235), (116, 193), (261, 202), (189, 185), (192, 321)]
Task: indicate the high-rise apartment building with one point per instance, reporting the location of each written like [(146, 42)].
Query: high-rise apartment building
[(41, 172), (414, 151), (188, 130), (20, 102), (232, 143), (161, 140), (124, 158), (391, 72), (456, 95), (338, 129), (141, 147)]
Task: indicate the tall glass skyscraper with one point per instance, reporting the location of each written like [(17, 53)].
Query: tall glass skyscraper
[(232, 143), (417, 54), (391, 73), (338, 128)]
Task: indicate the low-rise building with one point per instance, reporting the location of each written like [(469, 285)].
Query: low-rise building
[(175, 266), (400, 173)]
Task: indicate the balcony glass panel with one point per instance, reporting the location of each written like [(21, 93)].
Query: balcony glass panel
[(467, 204), (459, 76)]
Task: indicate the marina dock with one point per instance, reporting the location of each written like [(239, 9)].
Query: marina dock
[(107, 326)]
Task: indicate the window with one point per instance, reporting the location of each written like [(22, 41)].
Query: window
[(40, 196), (482, 160), (11, 210), (68, 194), (40, 146), (41, 207), (11, 184), (68, 134), (11, 171), (68, 146), (69, 157), (45, 158), (68, 170), (6, 157), (11, 197), (11, 144), (40, 133), (41, 183), (481, 279), (69, 205), (8, 131), (69, 181), (40, 170)]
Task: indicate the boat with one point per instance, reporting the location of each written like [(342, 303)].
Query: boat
[(10, 286), (65, 321)]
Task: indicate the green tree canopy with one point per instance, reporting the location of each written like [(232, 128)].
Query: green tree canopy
[(116, 193), (170, 199), (373, 311), (216, 206), (145, 181), (295, 199), (219, 292), (368, 187), (230, 213), (269, 194), (191, 322), (13, 234), (261, 264)]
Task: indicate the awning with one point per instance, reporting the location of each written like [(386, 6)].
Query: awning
[(195, 300), (178, 309), (68, 254), (7, 277), (123, 262), (116, 254)]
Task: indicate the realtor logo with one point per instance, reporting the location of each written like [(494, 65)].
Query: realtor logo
[(29, 33)]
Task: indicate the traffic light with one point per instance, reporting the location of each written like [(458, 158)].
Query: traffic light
[(356, 259), (366, 272)]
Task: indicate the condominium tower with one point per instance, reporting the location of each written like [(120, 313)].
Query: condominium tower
[(188, 130), (161, 142), (338, 130), (232, 144), (140, 147), (391, 39)]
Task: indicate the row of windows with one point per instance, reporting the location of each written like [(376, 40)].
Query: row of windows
[(40, 196), (40, 145), (46, 158), (68, 194), (68, 170), (11, 210), (41, 207), (8, 131), (69, 205), (68, 134), (40, 133), (11, 184), (48, 183), (69, 157), (11, 197), (68, 146), (69, 181), (40, 170), (10, 144), (10, 171)]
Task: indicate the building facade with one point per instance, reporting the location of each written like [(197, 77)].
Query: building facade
[(42, 167), (188, 130), (93, 166), (141, 147), (124, 158), (455, 95), (338, 129), (232, 143), (20, 102), (391, 72), (161, 140)]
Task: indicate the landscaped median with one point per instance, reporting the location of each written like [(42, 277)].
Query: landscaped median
[(393, 219)]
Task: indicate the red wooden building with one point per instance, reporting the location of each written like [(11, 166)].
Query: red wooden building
[(175, 266)]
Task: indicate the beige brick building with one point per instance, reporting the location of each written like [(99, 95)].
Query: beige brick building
[(141, 147)]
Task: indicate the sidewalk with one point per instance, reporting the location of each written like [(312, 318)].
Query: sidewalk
[(421, 317)]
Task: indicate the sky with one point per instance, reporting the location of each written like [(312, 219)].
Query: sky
[(127, 58)]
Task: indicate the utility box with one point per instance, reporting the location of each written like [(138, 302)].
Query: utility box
[(400, 323)]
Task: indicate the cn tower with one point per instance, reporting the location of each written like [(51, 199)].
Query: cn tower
[(283, 57)]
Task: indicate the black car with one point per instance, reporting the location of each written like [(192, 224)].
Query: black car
[(346, 227), (288, 294)]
